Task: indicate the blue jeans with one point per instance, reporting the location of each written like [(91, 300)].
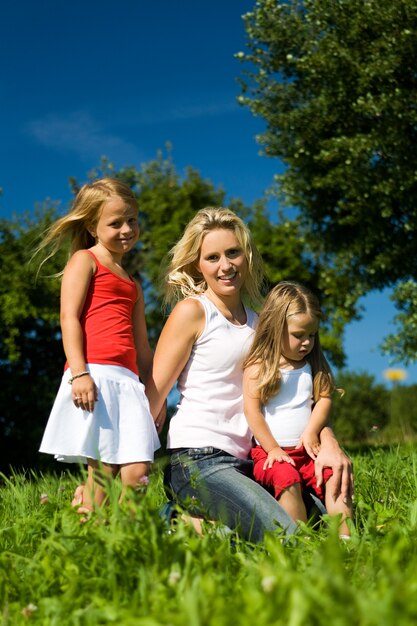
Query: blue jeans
[(214, 484)]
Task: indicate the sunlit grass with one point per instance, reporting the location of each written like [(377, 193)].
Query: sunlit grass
[(126, 567)]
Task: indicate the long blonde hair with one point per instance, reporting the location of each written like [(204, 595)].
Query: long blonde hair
[(83, 216), (183, 278), (283, 301)]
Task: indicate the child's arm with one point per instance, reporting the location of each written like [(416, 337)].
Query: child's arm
[(257, 422), (182, 328), (319, 418), (144, 354), (75, 282)]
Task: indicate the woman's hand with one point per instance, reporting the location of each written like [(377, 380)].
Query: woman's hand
[(160, 420), (331, 455)]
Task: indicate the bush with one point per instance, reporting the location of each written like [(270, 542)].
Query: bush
[(363, 408)]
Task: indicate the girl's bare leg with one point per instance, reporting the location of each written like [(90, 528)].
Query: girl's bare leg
[(336, 506), (291, 500), (93, 494), (134, 475)]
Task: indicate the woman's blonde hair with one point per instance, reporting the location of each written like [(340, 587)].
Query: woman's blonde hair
[(84, 215), (183, 279), (283, 301)]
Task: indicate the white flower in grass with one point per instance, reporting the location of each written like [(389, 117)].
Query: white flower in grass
[(268, 583), (173, 578), (29, 610), (44, 498)]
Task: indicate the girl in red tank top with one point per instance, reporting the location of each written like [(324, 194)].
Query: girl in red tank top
[(101, 414)]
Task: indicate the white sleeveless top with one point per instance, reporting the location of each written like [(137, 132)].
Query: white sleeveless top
[(210, 410), (288, 412)]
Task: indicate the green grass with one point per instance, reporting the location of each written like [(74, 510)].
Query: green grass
[(124, 567)]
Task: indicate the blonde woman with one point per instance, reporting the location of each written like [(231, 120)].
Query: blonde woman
[(215, 273), (287, 397)]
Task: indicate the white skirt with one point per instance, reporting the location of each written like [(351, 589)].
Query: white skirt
[(119, 430)]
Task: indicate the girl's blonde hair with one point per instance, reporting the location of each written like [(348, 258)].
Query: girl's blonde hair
[(283, 301), (183, 278), (84, 215)]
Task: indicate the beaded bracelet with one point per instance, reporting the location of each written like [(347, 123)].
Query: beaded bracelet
[(78, 376)]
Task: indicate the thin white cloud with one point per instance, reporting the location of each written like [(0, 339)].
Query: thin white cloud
[(178, 113), (205, 110), (79, 133)]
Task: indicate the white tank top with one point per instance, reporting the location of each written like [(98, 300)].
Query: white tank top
[(210, 410), (288, 412)]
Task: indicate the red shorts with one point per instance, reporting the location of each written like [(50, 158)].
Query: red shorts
[(282, 474)]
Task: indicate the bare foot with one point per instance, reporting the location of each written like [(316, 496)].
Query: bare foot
[(78, 501), (78, 496), (196, 522)]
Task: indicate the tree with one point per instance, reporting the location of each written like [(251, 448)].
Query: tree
[(402, 345), (168, 201), (335, 82), (284, 250), (31, 354)]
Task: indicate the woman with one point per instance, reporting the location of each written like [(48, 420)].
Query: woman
[(215, 271)]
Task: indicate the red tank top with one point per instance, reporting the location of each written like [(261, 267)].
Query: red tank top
[(106, 319)]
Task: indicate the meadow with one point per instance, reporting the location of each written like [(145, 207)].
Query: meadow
[(128, 567)]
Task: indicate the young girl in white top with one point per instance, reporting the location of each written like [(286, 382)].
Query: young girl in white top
[(101, 414), (287, 399)]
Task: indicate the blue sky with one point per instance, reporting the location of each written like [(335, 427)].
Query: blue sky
[(90, 78)]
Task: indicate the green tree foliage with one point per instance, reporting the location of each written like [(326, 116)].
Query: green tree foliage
[(363, 405), (403, 344), (31, 354), (335, 82), (31, 357), (286, 256), (167, 202)]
